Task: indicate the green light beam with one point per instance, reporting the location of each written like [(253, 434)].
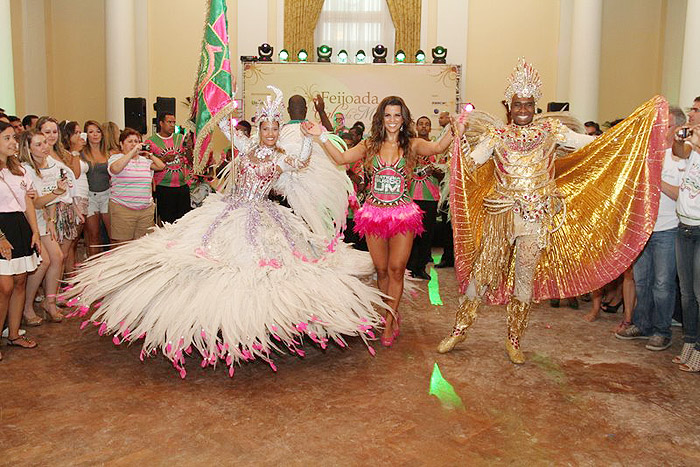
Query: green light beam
[(440, 388), (434, 285)]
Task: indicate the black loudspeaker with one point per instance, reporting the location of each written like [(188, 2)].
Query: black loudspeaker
[(162, 105), (135, 113), (558, 107)]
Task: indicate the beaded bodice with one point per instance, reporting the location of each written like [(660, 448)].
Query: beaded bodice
[(256, 172)]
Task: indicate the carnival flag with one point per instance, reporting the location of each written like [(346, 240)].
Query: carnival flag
[(215, 85)]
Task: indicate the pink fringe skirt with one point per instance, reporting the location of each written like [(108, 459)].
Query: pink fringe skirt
[(385, 222)]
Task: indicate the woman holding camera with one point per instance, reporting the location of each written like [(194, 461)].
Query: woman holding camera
[(687, 146), (131, 208)]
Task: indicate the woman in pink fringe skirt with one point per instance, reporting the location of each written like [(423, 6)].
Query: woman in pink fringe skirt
[(389, 219)]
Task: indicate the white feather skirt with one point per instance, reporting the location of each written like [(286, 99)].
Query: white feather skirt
[(234, 282)]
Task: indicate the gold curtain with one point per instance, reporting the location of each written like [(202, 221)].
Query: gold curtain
[(300, 18), (406, 17)]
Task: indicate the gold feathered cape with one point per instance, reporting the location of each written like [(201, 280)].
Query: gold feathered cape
[(611, 188)]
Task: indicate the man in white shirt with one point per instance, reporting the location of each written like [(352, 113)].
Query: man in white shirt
[(655, 268), (688, 242)]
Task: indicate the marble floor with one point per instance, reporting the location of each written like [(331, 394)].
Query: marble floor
[(583, 398)]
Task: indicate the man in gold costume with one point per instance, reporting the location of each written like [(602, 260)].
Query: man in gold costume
[(506, 216)]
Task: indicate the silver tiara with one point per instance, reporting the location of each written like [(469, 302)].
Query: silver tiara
[(272, 109), (524, 82)]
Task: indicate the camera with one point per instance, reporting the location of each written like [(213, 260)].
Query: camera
[(684, 133), (146, 147), (62, 173)]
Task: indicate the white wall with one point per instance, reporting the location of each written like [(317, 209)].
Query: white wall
[(7, 78), (35, 71)]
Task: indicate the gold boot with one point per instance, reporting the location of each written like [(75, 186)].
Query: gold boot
[(466, 315), (518, 314), (515, 353), (450, 342)]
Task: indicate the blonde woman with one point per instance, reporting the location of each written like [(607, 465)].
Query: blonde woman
[(67, 217), (111, 135), (50, 128), (49, 178)]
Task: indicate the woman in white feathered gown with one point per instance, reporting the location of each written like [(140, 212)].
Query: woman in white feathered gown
[(240, 276)]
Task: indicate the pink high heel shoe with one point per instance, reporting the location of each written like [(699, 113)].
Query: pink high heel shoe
[(397, 331)]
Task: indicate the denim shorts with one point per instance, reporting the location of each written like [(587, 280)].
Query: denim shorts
[(98, 201)]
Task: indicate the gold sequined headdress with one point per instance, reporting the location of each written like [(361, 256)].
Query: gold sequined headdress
[(271, 110), (524, 82)]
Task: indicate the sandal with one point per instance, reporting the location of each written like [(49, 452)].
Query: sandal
[(693, 363), (686, 351), (32, 322), (22, 341), (608, 308), (49, 318), (397, 323)]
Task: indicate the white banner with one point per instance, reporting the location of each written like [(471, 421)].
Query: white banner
[(355, 89)]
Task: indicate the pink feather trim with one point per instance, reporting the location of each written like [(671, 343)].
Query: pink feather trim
[(386, 222)]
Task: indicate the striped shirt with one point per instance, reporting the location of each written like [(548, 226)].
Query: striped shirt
[(131, 187)]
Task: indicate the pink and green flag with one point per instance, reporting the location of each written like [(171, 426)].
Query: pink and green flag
[(215, 85)]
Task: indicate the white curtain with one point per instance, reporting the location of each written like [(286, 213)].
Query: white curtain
[(353, 25)]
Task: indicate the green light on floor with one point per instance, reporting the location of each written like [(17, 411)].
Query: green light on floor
[(440, 388), (433, 284), (434, 288)]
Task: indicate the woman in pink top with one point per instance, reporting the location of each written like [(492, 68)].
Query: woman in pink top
[(19, 239), (131, 207), (388, 219)]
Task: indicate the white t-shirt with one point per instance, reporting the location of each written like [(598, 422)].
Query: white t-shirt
[(82, 188), (672, 174), (688, 205), (45, 185)]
